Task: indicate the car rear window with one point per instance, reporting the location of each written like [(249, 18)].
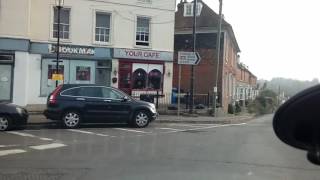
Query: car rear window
[(71, 92)]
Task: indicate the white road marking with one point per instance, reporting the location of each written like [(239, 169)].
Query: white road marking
[(11, 145), (21, 134), (208, 127), (80, 131), (131, 130), (46, 139), (11, 151), (48, 146), (169, 129), (89, 132), (188, 125)]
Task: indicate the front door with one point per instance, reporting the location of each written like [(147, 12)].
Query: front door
[(5, 82), (116, 109), (125, 77)]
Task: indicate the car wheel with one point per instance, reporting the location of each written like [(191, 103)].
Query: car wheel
[(71, 119), (141, 119), (5, 123)]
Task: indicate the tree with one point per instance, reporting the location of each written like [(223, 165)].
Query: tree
[(264, 103)]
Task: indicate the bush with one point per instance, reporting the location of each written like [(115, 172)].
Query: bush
[(265, 103), (237, 108)]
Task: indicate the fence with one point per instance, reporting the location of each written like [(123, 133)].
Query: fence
[(170, 100)]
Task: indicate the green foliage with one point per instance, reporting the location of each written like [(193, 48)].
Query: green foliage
[(263, 104), (237, 108)]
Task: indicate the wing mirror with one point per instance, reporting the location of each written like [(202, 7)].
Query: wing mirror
[(125, 98), (297, 122)]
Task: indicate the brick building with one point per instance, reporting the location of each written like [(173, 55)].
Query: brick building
[(205, 72), (246, 84)]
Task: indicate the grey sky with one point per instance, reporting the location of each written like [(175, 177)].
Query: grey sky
[(278, 38)]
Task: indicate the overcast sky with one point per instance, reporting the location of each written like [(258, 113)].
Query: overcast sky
[(277, 38)]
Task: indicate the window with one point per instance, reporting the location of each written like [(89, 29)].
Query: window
[(90, 92), (110, 93), (71, 92), (64, 23), (188, 9), (139, 79), (102, 31), (143, 31)]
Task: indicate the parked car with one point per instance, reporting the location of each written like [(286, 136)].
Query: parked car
[(74, 104), (12, 116)]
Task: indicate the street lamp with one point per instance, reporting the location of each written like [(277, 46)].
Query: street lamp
[(59, 4)]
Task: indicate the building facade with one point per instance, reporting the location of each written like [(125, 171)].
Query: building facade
[(126, 44), (206, 35), (246, 85)]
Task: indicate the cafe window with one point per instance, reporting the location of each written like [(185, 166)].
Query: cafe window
[(102, 29), (143, 31), (147, 76), (140, 79), (64, 23)]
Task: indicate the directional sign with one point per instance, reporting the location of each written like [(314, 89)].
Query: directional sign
[(189, 58)]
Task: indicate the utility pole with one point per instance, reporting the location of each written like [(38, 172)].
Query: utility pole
[(191, 99), (215, 88), (59, 4)]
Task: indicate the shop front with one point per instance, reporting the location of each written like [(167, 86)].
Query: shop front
[(77, 64), (144, 71)]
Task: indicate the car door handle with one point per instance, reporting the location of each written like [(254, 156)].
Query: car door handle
[(107, 100), (80, 99)]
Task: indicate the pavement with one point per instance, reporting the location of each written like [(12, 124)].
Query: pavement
[(179, 151), (39, 119)]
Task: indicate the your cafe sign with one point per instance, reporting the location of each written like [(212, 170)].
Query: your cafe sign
[(69, 49), (142, 54)]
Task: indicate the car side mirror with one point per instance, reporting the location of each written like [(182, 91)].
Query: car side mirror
[(125, 98), (297, 122)]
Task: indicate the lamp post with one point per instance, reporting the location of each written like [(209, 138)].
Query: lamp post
[(59, 4)]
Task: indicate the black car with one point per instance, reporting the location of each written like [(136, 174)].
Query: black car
[(73, 104), (12, 116)]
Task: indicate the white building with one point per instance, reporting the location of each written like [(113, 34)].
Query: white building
[(121, 43)]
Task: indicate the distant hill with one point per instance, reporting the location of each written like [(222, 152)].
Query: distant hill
[(287, 86)]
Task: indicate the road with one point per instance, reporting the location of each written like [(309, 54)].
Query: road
[(161, 151)]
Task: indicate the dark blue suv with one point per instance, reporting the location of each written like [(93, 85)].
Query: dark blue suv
[(73, 104)]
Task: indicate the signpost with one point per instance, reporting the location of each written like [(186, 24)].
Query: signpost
[(57, 77), (186, 58)]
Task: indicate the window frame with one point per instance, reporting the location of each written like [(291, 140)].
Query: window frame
[(95, 11), (150, 32), (51, 38), (199, 7)]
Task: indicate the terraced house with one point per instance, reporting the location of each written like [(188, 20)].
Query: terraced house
[(126, 44)]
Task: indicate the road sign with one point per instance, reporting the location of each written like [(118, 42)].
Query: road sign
[(57, 77), (188, 58)]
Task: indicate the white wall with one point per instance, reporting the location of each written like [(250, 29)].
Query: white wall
[(20, 78), (115, 66), (14, 18), (124, 14)]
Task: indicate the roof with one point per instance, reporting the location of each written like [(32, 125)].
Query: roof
[(208, 20)]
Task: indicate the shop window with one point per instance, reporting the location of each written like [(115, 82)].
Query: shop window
[(139, 79), (52, 69), (102, 31), (143, 31), (154, 79), (64, 23), (83, 73)]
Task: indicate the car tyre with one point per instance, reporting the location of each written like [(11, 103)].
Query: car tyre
[(5, 123), (71, 119), (141, 119)]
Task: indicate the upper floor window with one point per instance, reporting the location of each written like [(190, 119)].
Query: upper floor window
[(64, 23), (143, 31), (102, 30), (188, 9)]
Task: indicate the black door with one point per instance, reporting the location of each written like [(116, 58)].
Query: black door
[(94, 107), (117, 110)]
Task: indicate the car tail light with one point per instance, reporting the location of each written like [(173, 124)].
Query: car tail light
[(54, 94)]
